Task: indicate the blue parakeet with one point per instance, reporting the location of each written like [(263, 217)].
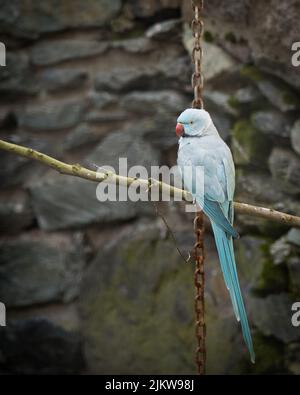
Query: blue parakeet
[(200, 145)]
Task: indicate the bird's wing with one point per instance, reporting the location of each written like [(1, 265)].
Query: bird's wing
[(218, 188), (209, 192), (216, 214), (198, 167), (229, 171)]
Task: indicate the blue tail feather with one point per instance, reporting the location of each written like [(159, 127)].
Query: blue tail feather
[(224, 245), (215, 212), (224, 266)]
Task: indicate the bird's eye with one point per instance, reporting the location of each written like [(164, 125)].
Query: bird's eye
[(191, 122)]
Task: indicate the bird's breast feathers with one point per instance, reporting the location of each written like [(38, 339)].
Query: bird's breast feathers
[(214, 156)]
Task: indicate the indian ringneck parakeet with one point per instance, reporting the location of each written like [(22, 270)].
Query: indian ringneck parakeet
[(201, 145)]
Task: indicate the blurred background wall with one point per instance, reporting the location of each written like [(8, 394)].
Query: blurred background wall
[(99, 287)]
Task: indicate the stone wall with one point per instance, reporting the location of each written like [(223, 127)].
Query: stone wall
[(100, 288)]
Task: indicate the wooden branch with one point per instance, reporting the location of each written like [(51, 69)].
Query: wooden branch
[(87, 174)]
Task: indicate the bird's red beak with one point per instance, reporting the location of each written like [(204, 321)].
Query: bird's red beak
[(179, 130)]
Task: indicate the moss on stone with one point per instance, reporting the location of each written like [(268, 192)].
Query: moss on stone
[(273, 278), (291, 99), (208, 36), (137, 32), (142, 311), (252, 73), (233, 102), (230, 36), (249, 256), (269, 352), (250, 147)]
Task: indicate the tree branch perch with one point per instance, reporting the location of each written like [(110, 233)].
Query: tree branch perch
[(87, 174)]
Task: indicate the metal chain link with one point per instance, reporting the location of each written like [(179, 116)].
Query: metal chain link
[(199, 256), (197, 54), (199, 253)]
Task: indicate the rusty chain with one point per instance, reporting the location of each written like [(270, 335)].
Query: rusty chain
[(199, 253), (197, 54), (199, 277)]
